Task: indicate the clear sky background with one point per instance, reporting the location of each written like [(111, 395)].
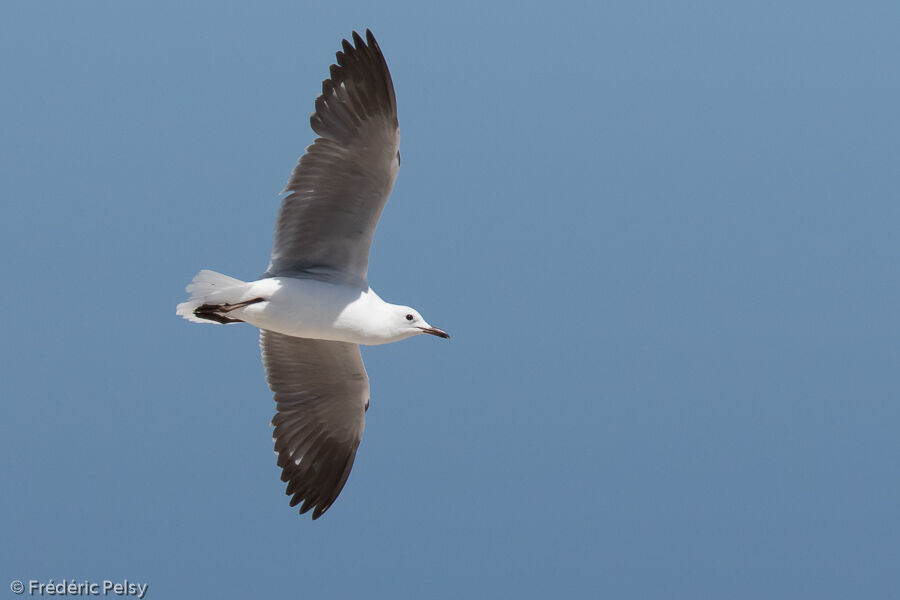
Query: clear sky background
[(664, 237)]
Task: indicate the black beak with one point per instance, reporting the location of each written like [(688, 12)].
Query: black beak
[(435, 331)]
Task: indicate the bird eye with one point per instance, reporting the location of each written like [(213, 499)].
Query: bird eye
[(409, 317)]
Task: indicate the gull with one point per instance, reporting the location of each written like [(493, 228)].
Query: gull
[(313, 305)]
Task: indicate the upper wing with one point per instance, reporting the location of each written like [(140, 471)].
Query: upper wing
[(340, 186), (322, 392)]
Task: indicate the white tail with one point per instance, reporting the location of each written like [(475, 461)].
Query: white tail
[(209, 287)]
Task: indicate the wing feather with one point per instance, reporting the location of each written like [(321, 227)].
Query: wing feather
[(321, 391), (340, 185)]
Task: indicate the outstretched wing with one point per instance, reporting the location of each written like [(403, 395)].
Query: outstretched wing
[(339, 187), (322, 392)]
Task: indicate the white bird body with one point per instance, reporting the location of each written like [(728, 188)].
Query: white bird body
[(305, 308), (308, 308)]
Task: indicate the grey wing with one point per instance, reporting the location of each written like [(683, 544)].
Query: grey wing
[(339, 187), (322, 392)]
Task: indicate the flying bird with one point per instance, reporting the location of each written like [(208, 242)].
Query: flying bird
[(313, 305)]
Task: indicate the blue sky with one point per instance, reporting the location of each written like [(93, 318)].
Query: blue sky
[(664, 237)]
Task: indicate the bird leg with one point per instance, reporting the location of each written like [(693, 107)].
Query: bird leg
[(213, 312)]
